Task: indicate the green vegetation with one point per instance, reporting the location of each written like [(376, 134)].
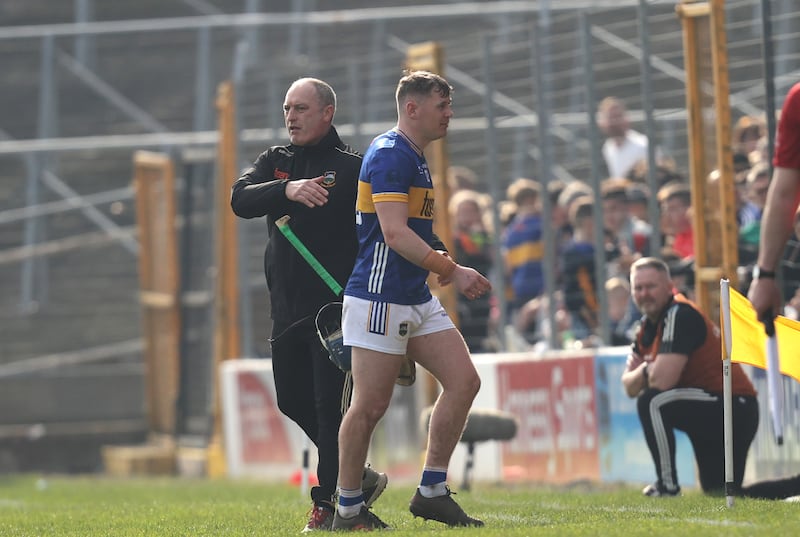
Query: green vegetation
[(61, 506)]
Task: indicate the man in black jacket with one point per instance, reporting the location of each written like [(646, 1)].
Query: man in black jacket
[(313, 180)]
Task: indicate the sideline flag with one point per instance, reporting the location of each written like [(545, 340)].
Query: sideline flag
[(727, 397), (759, 344), (750, 339)]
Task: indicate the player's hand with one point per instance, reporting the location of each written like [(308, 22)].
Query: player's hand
[(470, 283), (765, 295), (309, 192)]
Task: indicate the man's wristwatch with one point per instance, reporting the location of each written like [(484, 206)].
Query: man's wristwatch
[(761, 274)]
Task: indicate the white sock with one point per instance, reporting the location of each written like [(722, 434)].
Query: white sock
[(350, 502), (431, 491)]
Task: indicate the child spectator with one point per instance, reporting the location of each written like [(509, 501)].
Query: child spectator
[(579, 289), (523, 243), (676, 203), (473, 247)]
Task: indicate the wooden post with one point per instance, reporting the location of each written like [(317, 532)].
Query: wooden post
[(727, 195), (159, 294), (227, 344), (154, 183), (707, 91)]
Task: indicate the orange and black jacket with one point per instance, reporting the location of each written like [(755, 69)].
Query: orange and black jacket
[(684, 329)]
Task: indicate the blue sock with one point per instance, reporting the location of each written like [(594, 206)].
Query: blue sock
[(433, 482), (350, 502)]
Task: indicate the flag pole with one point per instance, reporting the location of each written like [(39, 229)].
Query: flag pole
[(727, 405), (774, 381)]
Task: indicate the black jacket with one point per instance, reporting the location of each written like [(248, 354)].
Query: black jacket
[(296, 291)]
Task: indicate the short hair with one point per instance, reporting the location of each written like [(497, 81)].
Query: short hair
[(467, 196), (325, 93), (581, 210), (610, 102), (522, 190), (572, 191), (615, 188), (651, 262), (421, 84), (748, 125), (672, 191), (460, 177), (638, 193)]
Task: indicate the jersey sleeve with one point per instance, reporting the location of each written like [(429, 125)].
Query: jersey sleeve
[(684, 330), (389, 176), (787, 141)]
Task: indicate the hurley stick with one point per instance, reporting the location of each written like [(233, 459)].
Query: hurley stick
[(322, 272), (408, 372)]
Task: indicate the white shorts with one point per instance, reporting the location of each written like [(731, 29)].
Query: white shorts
[(384, 327)]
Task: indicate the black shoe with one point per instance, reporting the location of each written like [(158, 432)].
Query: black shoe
[(657, 491), (441, 509), (365, 520)]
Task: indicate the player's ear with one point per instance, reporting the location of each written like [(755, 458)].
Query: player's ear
[(327, 113), (411, 107)]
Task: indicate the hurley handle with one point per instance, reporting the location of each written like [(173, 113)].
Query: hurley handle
[(322, 272)]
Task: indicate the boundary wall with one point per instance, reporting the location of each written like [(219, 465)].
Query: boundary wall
[(575, 425)]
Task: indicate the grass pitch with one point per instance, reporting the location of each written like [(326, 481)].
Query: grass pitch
[(56, 506)]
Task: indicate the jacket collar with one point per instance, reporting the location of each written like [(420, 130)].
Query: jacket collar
[(329, 141)]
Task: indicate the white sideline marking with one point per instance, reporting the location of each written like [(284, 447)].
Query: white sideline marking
[(17, 504)]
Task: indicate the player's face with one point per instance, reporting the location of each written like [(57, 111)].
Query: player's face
[(306, 119), (435, 112), (651, 290)]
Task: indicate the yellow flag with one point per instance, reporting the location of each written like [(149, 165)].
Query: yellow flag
[(749, 342)]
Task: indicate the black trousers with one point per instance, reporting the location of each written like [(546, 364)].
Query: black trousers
[(700, 415), (309, 391)]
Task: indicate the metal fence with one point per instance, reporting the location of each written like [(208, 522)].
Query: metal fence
[(79, 97)]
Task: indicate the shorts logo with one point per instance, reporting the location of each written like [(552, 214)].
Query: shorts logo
[(403, 329), (280, 174), (329, 180)]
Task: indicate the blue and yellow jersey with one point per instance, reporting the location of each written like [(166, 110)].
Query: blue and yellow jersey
[(391, 171), (524, 254)]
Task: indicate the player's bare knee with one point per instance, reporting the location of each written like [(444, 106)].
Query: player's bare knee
[(372, 413), (474, 385), (465, 387)]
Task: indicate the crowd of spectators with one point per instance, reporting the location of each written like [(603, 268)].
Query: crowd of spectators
[(627, 235)]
